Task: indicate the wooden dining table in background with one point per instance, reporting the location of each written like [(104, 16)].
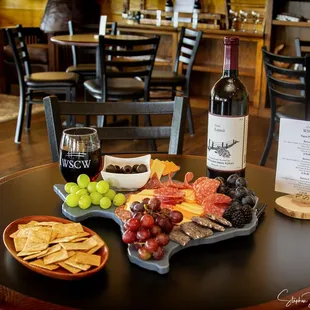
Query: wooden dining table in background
[(234, 273), (90, 40)]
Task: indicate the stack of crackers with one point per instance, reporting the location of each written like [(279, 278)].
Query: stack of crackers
[(51, 245)]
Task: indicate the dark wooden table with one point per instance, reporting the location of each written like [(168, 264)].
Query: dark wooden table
[(231, 274)]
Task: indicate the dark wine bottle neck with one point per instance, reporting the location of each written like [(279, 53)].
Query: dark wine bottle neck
[(230, 68)]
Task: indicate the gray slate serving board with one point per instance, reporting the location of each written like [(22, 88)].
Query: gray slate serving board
[(161, 266)]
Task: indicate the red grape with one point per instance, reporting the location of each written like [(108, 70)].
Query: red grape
[(138, 215), (147, 221), (129, 236), (165, 211), (144, 254), (155, 230), (146, 200), (138, 207), (132, 224), (154, 204), (137, 245), (176, 217), (143, 234), (151, 245), (162, 239), (159, 254), (132, 206), (165, 224)]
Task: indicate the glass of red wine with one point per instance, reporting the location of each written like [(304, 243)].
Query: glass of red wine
[(80, 153)]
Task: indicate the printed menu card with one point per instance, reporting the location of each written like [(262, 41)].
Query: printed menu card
[(293, 166)]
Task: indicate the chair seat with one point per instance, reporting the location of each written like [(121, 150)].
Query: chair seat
[(167, 78), (82, 68), (53, 79), (294, 111), (117, 87)]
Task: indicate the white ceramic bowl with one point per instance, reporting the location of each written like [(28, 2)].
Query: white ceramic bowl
[(126, 182)]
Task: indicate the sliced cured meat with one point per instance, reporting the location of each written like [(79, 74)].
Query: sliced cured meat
[(153, 183), (124, 215), (216, 204), (177, 235), (205, 187), (202, 221), (169, 192), (188, 178)]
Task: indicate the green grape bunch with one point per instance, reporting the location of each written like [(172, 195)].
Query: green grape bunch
[(85, 193)]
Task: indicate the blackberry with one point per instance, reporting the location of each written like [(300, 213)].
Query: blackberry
[(228, 213), (237, 219), (248, 213)]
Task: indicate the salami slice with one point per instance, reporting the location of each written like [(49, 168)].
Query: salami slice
[(216, 204), (124, 215), (205, 187), (188, 177), (153, 183), (166, 191)]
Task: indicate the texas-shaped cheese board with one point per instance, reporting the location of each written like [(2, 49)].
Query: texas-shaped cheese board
[(161, 266)]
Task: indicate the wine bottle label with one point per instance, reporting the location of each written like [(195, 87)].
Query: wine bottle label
[(227, 142), (168, 9)]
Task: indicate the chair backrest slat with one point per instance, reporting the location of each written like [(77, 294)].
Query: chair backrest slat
[(111, 28), (127, 56), (283, 81), (186, 52), (20, 53), (54, 109)]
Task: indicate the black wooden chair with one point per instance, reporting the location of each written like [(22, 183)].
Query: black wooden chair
[(86, 70), (34, 83), (285, 84), (54, 109), (132, 79), (186, 53)]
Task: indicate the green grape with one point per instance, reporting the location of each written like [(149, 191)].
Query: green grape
[(74, 189), (95, 198), (82, 191), (72, 200), (68, 186), (110, 194), (102, 187), (83, 180), (105, 203), (85, 202), (92, 187), (119, 199)]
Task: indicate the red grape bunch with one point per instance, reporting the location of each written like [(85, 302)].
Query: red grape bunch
[(149, 226)]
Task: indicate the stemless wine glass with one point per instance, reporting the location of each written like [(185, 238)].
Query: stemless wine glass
[(80, 153)]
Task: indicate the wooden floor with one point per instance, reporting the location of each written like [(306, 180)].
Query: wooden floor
[(34, 149)]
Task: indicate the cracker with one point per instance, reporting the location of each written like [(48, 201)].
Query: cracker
[(65, 230), (55, 257), (39, 263), (26, 253), (99, 245), (82, 246), (30, 224), (19, 243), (36, 255), (38, 240), (69, 268), (80, 239), (88, 259), (70, 238), (73, 263), (52, 249)]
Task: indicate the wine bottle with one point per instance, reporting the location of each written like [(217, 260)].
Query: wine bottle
[(169, 9), (197, 7), (228, 118)]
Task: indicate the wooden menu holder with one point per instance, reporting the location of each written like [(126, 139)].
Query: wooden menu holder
[(287, 206)]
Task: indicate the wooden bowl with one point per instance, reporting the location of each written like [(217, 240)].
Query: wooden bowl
[(60, 273)]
